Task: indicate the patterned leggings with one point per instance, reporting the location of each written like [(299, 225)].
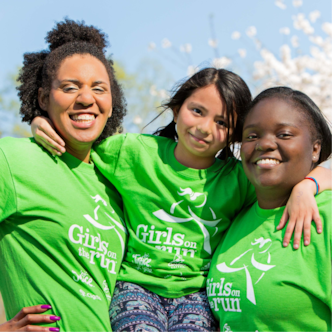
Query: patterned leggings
[(135, 309)]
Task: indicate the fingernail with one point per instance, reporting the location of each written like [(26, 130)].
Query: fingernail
[(285, 244), (58, 153), (296, 246), (306, 242), (54, 329), (46, 306), (319, 230), (55, 318)]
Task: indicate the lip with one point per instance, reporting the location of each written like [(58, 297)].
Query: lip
[(198, 140), (84, 124), (269, 162)]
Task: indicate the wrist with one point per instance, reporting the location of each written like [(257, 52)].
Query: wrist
[(310, 183)]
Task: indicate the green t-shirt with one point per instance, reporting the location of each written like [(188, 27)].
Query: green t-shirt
[(255, 284), (175, 215), (61, 236)]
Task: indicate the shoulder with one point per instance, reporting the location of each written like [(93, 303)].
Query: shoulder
[(324, 201), (11, 146), (133, 141), (152, 141)]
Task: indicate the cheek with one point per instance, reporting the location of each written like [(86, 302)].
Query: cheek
[(58, 103), (105, 104), (221, 137)]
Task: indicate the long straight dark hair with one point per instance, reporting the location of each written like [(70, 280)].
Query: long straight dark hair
[(232, 89)]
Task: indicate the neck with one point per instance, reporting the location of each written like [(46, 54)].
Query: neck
[(271, 198), (191, 161), (81, 151)]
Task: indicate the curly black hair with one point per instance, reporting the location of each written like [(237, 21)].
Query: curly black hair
[(39, 70)]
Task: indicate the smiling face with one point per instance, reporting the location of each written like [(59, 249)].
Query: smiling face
[(80, 101), (201, 128), (277, 148)]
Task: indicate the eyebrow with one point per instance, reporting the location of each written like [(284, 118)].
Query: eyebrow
[(282, 124), (78, 82)]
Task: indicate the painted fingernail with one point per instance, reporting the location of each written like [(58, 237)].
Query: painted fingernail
[(319, 230), (296, 246), (46, 306), (285, 244), (54, 329), (306, 242), (55, 318)]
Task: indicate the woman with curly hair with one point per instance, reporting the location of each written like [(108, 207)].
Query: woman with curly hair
[(61, 234)]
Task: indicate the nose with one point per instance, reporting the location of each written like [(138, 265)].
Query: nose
[(85, 97), (266, 143), (204, 126)]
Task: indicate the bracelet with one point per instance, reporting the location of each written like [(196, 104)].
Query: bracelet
[(317, 185)]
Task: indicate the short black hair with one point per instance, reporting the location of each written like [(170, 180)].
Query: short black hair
[(39, 69), (319, 125)]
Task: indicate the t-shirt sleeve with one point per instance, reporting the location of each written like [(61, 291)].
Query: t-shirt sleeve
[(106, 155), (7, 189)]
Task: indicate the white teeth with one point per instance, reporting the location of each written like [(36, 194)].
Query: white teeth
[(268, 161), (83, 117)]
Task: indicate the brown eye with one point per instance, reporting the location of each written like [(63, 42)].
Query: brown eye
[(197, 110), (222, 123)]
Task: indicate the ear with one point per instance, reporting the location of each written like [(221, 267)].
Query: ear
[(175, 113), (110, 112), (42, 99), (316, 151)]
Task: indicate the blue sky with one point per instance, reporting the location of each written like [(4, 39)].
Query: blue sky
[(131, 25)]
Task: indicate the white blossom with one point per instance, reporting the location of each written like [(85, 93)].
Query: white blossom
[(297, 3), (137, 120), (327, 28), (166, 43), (186, 48), (284, 31), (221, 62), (295, 41), (313, 16), (251, 31), (151, 46), (236, 35), (301, 23), (318, 40), (242, 52), (213, 43), (280, 4)]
